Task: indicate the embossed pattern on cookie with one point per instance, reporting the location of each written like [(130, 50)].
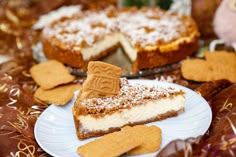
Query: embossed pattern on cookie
[(103, 80)]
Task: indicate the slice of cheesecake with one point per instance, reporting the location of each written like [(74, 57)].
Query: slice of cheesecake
[(134, 104)]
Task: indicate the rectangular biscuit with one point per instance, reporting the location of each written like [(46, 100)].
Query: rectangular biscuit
[(135, 140), (110, 145), (150, 138)]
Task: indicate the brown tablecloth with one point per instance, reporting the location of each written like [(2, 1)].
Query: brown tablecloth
[(19, 109)]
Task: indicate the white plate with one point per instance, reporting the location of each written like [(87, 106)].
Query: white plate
[(55, 130)]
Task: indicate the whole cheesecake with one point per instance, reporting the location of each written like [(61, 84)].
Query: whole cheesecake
[(150, 37)]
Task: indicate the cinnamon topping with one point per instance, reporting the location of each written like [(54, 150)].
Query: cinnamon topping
[(128, 96)]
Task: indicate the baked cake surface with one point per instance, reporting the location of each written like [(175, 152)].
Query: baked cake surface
[(150, 37), (134, 104)]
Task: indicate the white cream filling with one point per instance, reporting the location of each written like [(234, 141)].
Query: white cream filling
[(135, 114), (129, 50), (106, 43), (100, 46)]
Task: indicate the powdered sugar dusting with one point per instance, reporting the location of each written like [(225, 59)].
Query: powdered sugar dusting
[(83, 28), (166, 78), (65, 11), (129, 95), (148, 29), (144, 27)]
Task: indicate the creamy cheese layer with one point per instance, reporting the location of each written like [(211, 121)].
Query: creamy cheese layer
[(100, 46), (106, 43), (129, 50), (111, 40), (135, 114)]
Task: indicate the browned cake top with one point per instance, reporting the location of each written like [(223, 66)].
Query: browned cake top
[(129, 95), (143, 27)]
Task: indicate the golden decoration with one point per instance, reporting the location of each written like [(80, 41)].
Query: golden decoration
[(227, 106)]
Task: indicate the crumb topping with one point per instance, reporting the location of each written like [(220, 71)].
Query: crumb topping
[(143, 27), (129, 95), (65, 11)]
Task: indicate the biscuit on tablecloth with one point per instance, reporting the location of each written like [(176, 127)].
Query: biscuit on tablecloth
[(216, 65), (59, 95), (50, 74)]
